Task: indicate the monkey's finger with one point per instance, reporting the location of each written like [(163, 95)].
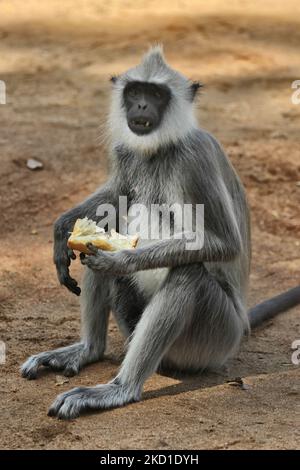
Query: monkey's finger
[(73, 287), (71, 284), (92, 248), (71, 254), (91, 262), (75, 290), (71, 281)]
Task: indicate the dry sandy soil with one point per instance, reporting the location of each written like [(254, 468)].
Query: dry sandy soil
[(56, 58)]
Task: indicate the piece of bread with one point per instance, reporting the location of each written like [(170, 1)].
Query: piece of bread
[(86, 231)]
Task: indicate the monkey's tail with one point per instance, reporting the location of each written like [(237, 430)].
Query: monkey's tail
[(278, 304)]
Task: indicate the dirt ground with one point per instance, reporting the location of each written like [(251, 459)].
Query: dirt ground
[(56, 58)]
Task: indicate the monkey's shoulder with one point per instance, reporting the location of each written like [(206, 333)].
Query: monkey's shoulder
[(211, 158), (205, 146)]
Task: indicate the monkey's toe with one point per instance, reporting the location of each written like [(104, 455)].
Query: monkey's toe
[(70, 371), (68, 405), (73, 403), (29, 368), (68, 360)]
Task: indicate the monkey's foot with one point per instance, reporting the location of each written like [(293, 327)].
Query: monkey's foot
[(69, 360), (71, 404)]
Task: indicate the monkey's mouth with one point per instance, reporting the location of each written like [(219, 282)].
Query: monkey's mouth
[(141, 125)]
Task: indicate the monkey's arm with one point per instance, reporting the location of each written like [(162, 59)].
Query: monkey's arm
[(172, 253), (222, 242), (162, 254), (108, 194)]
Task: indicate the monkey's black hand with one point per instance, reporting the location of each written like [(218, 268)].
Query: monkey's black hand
[(104, 261), (62, 260)]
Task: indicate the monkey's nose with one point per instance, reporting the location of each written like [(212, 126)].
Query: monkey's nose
[(142, 106)]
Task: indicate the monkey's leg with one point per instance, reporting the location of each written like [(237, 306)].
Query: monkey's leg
[(195, 321), (190, 299), (218, 324), (162, 321), (95, 309)]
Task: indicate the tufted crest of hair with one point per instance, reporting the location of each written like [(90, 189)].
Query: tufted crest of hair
[(179, 118)]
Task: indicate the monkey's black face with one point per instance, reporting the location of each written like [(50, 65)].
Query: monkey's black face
[(145, 105)]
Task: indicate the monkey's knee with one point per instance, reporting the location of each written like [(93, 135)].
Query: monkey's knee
[(205, 346), (224, 344), (217, 325)]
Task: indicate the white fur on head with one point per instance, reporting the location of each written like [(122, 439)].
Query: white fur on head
[(179, 118)]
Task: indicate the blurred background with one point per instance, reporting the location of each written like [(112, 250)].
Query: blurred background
[(56, 58)]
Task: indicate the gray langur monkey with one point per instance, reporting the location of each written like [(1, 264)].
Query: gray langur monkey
[(181, 309)]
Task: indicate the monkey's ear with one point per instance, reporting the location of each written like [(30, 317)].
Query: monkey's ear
[(113, 78), (195, 86)]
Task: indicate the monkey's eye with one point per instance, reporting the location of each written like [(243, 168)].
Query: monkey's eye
[(158, 94)]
